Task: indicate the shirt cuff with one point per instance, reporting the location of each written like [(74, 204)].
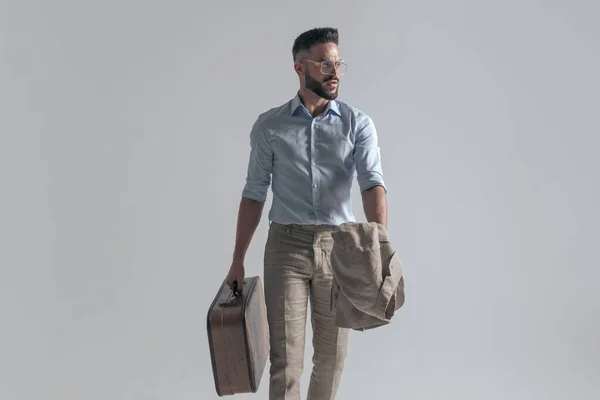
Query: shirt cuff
[(256, 194), (371, 179)]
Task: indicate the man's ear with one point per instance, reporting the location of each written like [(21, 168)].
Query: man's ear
[(299, 68)]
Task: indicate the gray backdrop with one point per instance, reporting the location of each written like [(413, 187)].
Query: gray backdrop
[(124, 145)]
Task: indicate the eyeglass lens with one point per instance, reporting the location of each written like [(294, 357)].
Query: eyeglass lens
[(327, 67)]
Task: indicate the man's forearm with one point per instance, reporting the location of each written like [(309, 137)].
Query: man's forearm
[(375, 205), (249, 215)]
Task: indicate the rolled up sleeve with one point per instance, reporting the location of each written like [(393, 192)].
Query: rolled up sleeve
[(367, 157), (260, 164)]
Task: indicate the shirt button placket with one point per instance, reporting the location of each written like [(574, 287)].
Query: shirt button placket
[(315, 177)]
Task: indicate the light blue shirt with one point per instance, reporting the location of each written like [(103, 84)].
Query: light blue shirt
[(310, 162)]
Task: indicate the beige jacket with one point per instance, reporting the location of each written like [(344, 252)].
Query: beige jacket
[(369, 282)]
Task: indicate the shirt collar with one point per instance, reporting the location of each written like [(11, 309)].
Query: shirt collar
[(332, 106)]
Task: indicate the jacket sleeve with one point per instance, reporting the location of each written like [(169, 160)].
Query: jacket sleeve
[(369, 283)]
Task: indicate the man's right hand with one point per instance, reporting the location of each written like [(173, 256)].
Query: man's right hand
[(236, 273)]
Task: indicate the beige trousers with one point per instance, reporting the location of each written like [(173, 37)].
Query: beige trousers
[(297, 269)]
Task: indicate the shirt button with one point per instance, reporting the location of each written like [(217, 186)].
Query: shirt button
[(315, 185)]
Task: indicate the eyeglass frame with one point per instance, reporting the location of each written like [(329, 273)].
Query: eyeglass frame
[(335, 63)]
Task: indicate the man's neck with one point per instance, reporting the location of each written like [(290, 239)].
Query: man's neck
[(314, 104)]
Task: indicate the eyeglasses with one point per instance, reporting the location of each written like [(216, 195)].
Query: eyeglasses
[(328, 66)]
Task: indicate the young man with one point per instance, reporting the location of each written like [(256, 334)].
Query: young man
[(308, 151)]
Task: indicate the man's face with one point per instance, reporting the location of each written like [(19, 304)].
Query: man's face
[(323, 85)]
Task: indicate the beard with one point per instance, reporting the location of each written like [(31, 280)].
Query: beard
[(318, 88)]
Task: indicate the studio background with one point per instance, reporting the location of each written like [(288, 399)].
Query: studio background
[(123, 152)]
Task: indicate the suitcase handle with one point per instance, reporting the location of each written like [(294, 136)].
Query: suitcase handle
[(233, 296), (235, 290)]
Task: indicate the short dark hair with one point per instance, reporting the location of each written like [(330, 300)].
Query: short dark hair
[(307, 39)]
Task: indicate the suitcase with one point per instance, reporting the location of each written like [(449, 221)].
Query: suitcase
[(238, 337)]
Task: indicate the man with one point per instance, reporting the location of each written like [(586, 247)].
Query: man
[(308, 151)]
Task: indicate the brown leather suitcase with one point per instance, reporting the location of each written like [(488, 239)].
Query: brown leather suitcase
[(238, 337)]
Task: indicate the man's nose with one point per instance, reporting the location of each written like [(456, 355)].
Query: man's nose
[(335, 72)]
